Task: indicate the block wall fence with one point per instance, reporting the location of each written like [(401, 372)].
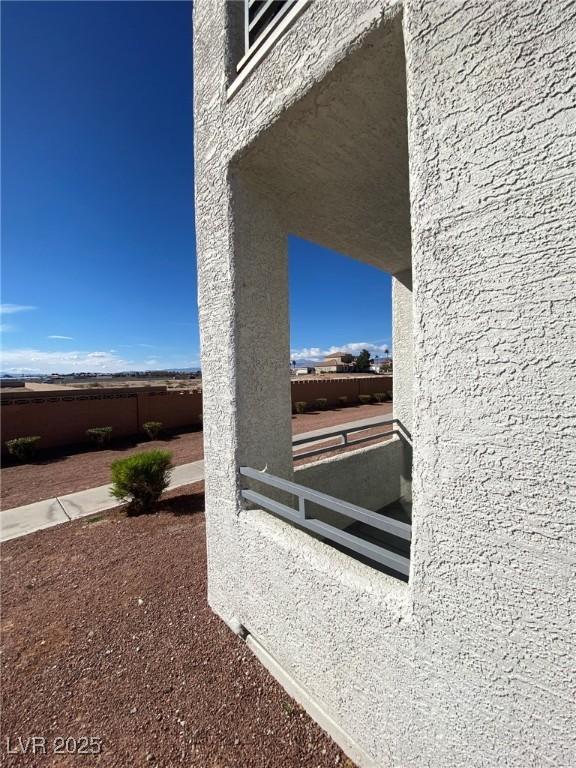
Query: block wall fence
[(61, 418)]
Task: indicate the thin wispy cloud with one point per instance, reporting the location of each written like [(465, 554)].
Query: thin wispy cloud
[(40, 361), (6, 327), (12, 309), (64, 338), (133, 346)]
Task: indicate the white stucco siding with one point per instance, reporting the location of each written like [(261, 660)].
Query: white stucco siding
[(471, 663), (493, 189), (341, 628)]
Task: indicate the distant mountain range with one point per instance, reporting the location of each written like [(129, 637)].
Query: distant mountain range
[(303, 362), (28, 375)]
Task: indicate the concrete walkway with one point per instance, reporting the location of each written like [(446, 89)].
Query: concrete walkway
[(44, 514)]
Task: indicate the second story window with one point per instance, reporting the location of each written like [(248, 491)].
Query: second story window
[(261, 17)]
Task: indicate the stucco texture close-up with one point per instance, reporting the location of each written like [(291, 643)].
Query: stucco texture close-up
[(460, 183)]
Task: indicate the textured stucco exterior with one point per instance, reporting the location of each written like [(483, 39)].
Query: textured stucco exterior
[(472, 662), (403, 342)]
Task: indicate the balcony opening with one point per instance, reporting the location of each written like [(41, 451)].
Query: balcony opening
[(341, 341), (333, 171)]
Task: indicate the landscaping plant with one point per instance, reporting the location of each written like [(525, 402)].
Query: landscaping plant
[(99, 435), (321, 402), (152, 429), (380, 397), (141, 479), (365, 399), (363, 361), (343, 400), (23, 448), (300, 406)]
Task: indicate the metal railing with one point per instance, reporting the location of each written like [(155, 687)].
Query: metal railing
[(344, 435), (261, 17), (303, 517)]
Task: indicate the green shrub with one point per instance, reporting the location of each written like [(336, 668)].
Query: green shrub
[(152, 429), (300, 406), (141, 479), (321, 402), (23, 448), (99, 435), (343, 400), (381, 397), (365, 399)]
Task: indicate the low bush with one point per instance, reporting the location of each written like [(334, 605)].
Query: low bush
[(23, 448), (300, 406), (365, 399), (343, 400), (321, 403), (381, 397), (141, 479), (152, 429), (100, 436)]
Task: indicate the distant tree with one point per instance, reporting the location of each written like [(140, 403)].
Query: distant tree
[(363, 361), (347, 358)]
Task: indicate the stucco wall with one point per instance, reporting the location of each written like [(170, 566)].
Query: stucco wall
[(332, 389), (62, 418), (369, 477), (471, 663), (403, 340), (491, 105)]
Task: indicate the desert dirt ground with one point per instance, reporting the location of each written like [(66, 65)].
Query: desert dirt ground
[(106, 633)]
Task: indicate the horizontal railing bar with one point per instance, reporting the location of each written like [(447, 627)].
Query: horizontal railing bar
[(274, 506), (348, 540), (340, 432), (383, 523), (350, 444)]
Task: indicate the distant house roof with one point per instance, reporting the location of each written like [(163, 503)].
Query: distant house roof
[(336, 357), (334, 364)]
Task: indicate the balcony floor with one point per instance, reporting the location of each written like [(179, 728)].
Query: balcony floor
[(398, 510)]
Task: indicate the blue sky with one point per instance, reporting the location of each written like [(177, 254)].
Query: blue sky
[(98, 253)]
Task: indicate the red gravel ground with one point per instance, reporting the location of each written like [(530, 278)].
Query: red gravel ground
[(61, 472), (106, 633)]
